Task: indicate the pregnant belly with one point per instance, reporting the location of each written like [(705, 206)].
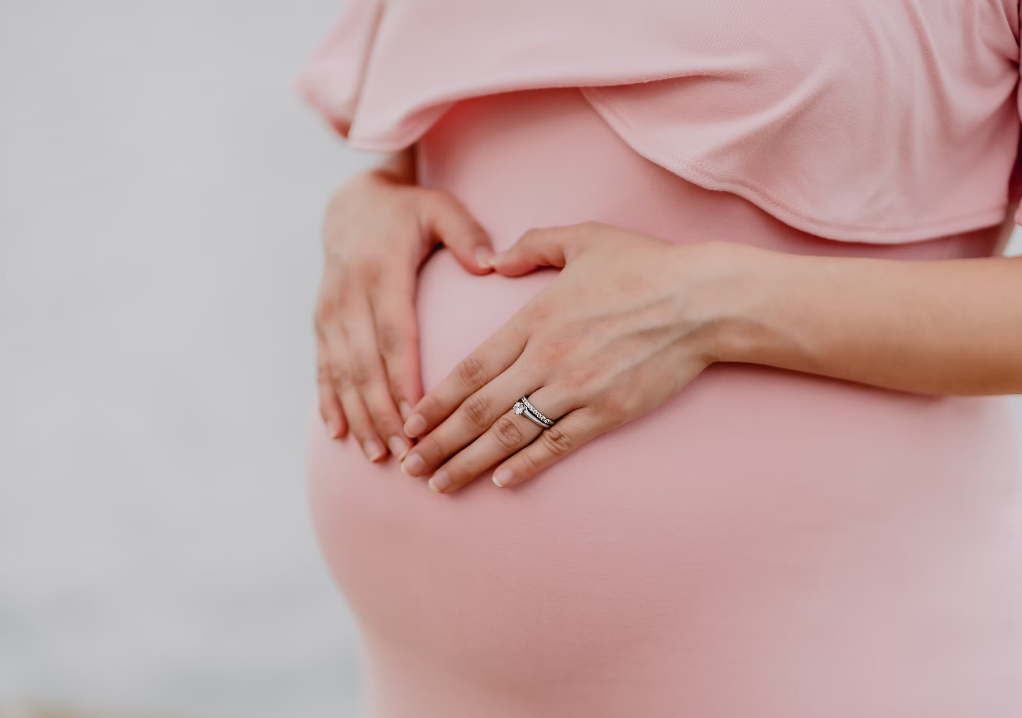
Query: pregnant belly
[(764, 539)]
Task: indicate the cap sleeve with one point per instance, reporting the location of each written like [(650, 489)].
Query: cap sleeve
[(332, 79), (867, 129)]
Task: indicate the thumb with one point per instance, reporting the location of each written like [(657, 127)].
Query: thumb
[(451, 223), (549, 247)]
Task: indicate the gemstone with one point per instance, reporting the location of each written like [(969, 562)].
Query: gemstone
[(519, 407)]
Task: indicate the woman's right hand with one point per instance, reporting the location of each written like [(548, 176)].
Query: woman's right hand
[(378, 230)]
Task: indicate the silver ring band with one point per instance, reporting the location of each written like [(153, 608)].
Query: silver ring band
[(535, 420), (522, 406), (537, 412)]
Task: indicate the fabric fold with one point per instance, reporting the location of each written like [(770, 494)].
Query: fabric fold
[(879, 121)]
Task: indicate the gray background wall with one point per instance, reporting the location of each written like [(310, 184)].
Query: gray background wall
[(160, 194), (161, 188)]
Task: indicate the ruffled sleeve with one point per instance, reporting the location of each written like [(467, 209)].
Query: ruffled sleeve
[(332, 79), (882, 121)]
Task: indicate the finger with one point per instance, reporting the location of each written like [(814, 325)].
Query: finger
[(451, 223), (570, 432), (359, 422), (509, 434), (470, 420), (329, 405), (475, 371), (397, 337), (546, 247), (369, 377)]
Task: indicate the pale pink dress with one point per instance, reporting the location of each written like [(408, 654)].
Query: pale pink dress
[(764, 544)]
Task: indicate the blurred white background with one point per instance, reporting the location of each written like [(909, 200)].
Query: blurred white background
[(161, 187)]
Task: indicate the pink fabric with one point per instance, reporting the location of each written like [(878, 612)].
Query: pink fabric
[(867, 120), (765, 543)]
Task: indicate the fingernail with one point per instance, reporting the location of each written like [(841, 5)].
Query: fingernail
[(502, 477), (440, 483), (415, 425), (398, 447), (331, 429), (405, 408), (373, 450), (484, 256), (413, 465)]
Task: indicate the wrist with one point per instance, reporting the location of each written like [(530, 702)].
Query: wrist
[(398, 166), (733, 289)]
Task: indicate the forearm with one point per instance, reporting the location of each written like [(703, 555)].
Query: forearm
[(934, 327)]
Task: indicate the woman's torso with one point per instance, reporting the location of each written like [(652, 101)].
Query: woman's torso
[(764, 543)]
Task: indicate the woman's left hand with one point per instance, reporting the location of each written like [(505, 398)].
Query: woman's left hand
[(620, 330)]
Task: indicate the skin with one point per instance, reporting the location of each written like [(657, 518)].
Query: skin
[(379, 228), (631, 319)]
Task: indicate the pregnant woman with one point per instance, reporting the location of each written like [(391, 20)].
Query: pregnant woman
[(743, 261)]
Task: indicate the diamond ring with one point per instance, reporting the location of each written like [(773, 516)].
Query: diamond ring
[(522, 406)]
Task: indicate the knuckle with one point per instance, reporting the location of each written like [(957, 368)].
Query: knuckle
[(526, 465), (553, 353), (339, 373), (402, 206), (538, 313), (446, 201), (324, 374), (618, 404), (472, 371), (431, 407), (363, 428), (397, 391), (370, 269), (507, 433), (362, 372), (431, 450), (475, 236), (325, 313), (432, 195), (577, 380), (390, 339), (533, 235), (365, 432), (379, 414), (557, 441), (477, 411)]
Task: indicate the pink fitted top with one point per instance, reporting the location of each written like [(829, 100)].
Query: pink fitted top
[(765, 544), (881, 121)]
